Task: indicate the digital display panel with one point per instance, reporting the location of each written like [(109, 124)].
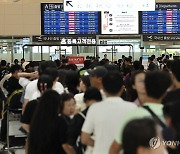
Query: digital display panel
[(164, 20), (119, 22), (55, 21), (160, 22)]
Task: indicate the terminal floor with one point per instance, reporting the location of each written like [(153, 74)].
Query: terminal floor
[(15, 125)]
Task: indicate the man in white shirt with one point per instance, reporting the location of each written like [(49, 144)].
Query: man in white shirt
[(103, 118), (32, 92), (52, 72)]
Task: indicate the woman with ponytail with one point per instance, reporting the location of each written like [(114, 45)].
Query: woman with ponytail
[(47, 129)]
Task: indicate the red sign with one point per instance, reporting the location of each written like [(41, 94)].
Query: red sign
[(75, 60)]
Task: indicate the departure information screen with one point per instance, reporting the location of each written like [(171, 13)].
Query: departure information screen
[(55, 21), (160, 22)]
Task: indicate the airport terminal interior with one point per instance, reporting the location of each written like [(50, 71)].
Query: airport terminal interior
[(89, 77)]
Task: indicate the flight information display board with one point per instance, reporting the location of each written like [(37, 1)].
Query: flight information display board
[(164, 20), (160, 22), (55, 21), (113, 22)]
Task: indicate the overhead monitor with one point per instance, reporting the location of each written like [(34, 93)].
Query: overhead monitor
[(160, 22), (56, 22), (119, 22), (164, 20)]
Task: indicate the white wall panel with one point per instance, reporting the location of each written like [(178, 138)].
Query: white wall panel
[(21, 18)]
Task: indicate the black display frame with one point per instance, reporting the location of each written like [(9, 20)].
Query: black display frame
[(42, 21)]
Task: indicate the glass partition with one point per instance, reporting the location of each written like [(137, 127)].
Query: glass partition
[(11, 48)]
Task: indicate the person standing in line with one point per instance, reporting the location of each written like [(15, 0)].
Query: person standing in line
[(3, 69), (91, 96), (12, 83), (47, 129), (96, 76), (83, 86), (45, 82), (172, 115), (103, 118), (156, 83), (137, 90), (32, 88), (137, 137), (67, 107)]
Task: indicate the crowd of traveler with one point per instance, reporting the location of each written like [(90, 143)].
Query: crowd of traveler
[(103, 108)]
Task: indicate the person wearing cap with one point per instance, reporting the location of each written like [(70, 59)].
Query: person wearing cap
[(96, 76), (103, 118)]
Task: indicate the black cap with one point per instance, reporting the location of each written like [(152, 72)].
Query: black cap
[(99, 71)]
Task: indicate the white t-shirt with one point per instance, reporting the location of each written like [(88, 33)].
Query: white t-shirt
[(103, 121), (79, 101), (32, 91), (24, 82), (79, 98)]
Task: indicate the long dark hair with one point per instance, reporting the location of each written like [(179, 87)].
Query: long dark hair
[(72, 81), (138, 133), (44, 123), (44, 82), (86, 81)]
